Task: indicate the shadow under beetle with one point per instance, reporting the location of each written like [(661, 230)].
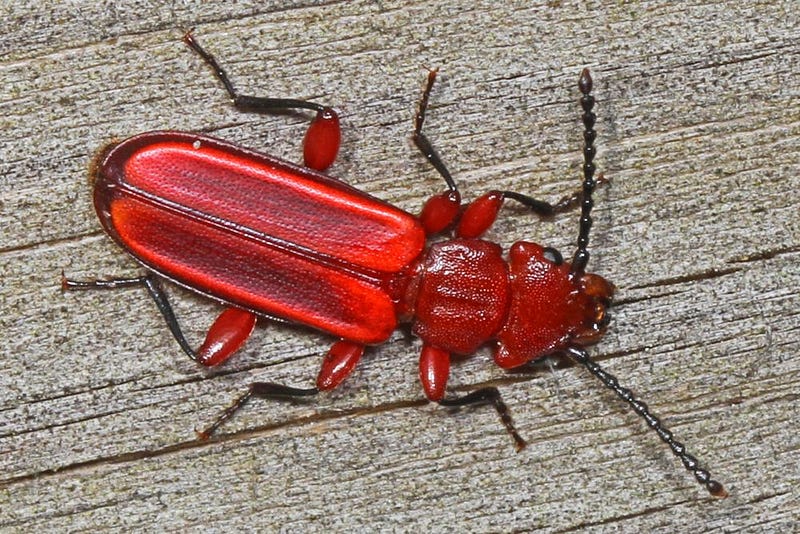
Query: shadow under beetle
[(272, 239)]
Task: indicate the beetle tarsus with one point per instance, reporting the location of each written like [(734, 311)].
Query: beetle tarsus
[(422, 142), (226, 414), (574, 200), (111, 283), (266, 390)]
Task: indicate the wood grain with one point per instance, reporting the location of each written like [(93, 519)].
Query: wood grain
[(699, 128)]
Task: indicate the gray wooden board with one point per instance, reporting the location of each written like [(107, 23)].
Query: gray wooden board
[(699, 128)]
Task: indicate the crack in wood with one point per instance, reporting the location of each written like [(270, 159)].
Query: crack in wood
[(237, 436), (765, 255), (693, 277)]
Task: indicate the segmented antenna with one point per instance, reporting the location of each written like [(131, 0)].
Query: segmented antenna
[(581, 257), (689, 462)]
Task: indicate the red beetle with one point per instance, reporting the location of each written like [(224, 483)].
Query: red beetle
[(269, 238)]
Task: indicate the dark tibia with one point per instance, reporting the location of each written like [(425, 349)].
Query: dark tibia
[(484, 396)]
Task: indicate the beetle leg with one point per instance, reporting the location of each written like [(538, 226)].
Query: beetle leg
[(228, 332), (266, 390), (338, 363), (244, 102), (158, 295), (434, 369), (116, 283), (489, 395), (545, 209), (422, 142), (481, 213), (440, 211), (153, 286), (323, 137)]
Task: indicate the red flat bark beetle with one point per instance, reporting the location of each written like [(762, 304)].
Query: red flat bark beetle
[(272, 239)]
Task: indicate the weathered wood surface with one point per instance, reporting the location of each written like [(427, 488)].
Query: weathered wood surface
[(699, 121)]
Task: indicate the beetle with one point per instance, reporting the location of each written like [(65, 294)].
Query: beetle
[(268, 238)]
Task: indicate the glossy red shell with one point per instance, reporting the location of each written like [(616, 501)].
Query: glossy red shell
[(257, 232)]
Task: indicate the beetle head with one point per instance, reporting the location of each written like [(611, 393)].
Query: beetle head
[(551, 307)]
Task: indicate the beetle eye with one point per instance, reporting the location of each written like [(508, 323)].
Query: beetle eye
[(552, 255)]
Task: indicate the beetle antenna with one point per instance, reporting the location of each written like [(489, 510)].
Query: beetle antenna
[(581, 257), (246, 102), (689, 462)]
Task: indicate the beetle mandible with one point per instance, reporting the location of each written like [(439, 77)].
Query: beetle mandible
[(269, 238)]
